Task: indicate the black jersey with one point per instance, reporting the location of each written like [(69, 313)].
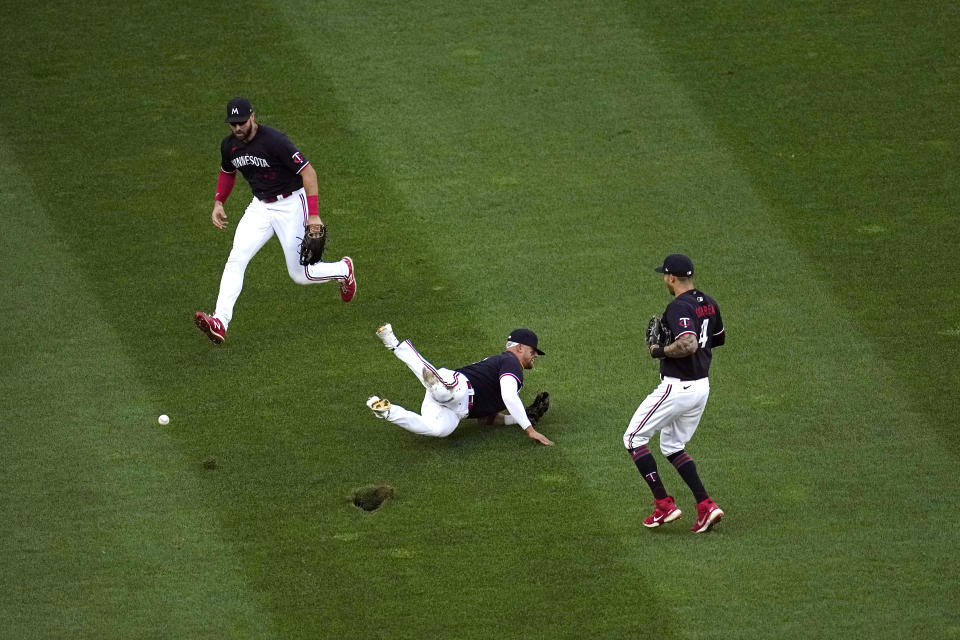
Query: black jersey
[(693, 312), (485, 376), (269, 162)]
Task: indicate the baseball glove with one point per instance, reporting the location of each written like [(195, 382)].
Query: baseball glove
[(312, 244), (538, 407), (658, 334)]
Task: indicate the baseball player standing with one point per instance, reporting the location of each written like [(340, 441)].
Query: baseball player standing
[(479, 390), (285, 200), (674, 408)]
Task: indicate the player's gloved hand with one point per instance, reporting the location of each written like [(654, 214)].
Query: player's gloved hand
[(657, 336), (538, 407), (313, 243), (654, 333)]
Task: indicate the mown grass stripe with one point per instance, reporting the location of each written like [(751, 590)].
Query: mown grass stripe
[(109, 528)]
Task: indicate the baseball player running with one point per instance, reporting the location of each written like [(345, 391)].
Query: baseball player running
[(479, 390), (285, 202), (674, 408)]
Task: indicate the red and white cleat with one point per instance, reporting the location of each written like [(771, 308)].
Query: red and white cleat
[(708, 514), (665, 511), (210, 326), (348, 286)]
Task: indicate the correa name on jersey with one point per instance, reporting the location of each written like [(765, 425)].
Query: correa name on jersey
[(706, 309), (247, 161)]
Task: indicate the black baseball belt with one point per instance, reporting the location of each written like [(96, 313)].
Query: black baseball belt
[(279, 196)]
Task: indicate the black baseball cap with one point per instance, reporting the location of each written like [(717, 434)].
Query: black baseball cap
[(525, 336), (238, 110), (676, 264)]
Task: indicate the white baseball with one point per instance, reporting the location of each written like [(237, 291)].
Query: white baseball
[(164, 419)]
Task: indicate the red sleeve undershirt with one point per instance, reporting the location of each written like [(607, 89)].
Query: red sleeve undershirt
[(225, 182)]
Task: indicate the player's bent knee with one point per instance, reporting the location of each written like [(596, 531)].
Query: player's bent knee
[(634, 441), (443, 430), (669, 451), (238, 259), (299, 277)]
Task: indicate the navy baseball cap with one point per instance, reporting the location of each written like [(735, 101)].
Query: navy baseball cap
[(238, 110), (676, 264), (525, 336)]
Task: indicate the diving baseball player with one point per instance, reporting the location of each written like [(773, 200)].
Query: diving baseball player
[(479, 390), (674, 408), (285, 202)]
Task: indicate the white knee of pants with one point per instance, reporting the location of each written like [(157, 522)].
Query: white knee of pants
[(667, 447), (239, 258), (298, 274), (438, 424), (634, 441)]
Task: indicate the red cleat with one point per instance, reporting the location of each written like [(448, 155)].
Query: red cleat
[(666, 511), (708, 514), (210, 326), (348, 287)]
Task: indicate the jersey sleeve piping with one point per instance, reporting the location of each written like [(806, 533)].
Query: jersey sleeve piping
[(303, 167), (514, 376)]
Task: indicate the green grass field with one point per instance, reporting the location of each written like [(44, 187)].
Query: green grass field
[(488, 166)]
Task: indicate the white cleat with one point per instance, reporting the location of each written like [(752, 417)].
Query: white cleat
[(385, 333), (440, 391), (379, 406)]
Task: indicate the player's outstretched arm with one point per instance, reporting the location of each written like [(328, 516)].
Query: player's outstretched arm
[(510, 392)]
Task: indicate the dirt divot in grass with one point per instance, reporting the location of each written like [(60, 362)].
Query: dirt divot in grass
[(370, 497)]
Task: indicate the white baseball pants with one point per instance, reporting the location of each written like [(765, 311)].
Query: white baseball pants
[(286, 218), (674, 409), (444, 404)]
